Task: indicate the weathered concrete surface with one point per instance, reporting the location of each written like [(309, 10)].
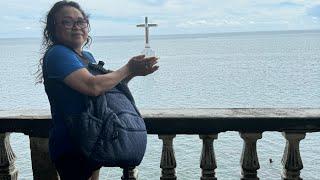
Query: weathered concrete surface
[(185, 121), (187, 113)]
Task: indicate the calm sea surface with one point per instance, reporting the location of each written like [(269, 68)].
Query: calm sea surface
[(273, 69)]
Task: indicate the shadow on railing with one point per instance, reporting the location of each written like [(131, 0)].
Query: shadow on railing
[(207, 123)]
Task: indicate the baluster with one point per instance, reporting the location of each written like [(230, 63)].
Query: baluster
[(8, 170), (42, 167), (291, 160), (208, 160), (168, 160), (130, 173), (249, 157)]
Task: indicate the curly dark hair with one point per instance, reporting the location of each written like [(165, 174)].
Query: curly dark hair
[(49, 38)]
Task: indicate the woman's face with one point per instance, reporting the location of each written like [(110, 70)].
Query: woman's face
[(71, 27)]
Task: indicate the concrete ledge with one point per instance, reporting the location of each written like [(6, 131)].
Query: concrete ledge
[(185, 121)]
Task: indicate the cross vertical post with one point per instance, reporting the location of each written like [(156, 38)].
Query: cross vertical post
[(147, 51)]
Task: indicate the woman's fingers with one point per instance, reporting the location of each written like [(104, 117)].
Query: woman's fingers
[(138, 57), (143, 58), (150, 58), (154, 68), (151, 61), (142, 65), (150, 65)]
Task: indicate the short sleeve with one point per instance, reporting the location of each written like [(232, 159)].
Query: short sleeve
[(60, 62), (90, 56)]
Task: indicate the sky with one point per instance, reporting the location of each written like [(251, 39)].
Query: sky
[(24, 18)]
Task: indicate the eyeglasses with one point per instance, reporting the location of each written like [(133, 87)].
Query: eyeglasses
[(69, 23)]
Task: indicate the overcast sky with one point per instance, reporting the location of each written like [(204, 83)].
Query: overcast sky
[(22, 18)]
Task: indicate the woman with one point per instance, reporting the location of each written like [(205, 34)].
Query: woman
[(67, 80)]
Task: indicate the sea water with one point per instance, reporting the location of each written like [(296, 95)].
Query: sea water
[(231, 70)]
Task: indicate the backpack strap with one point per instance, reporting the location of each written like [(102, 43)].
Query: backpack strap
[(123, 87)]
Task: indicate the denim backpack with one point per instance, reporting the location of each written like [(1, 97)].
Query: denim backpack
[(111, 131)]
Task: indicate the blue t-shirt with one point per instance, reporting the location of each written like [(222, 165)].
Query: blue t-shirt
[(58, 63)]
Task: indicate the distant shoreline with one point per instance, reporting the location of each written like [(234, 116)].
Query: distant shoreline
[(221, 33), (189, 34)]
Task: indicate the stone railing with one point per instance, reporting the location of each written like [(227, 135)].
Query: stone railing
[(166, 123)]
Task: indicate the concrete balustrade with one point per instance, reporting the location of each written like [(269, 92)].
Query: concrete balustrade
[(208, 160), (168, 160), (249, 157), (130, 173), (166, 123), (8, 171), (291, 160)]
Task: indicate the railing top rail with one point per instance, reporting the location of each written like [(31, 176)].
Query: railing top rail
[(188, 113), (186, 120), (233, 113)]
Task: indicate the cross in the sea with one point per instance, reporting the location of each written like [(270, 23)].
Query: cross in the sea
[(146, 26)]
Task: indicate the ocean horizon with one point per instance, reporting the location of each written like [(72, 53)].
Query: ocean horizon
[(192, 35)]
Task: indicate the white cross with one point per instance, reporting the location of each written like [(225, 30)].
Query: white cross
[(146, 26)]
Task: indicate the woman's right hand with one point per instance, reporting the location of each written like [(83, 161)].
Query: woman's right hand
[(141, 66)]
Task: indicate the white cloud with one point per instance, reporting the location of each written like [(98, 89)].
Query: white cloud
[(207, 23), (110, 17)]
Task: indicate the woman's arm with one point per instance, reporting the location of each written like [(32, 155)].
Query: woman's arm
[(150, 66), (125, 80), (128, 78), (86, 83)]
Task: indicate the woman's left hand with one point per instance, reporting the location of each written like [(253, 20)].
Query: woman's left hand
[(149, 66)]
